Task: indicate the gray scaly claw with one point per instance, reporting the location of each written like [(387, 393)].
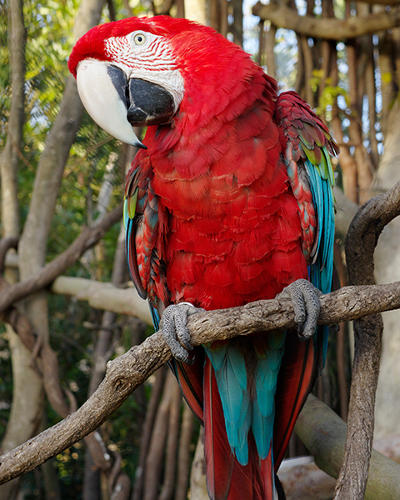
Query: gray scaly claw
[(175, 330), (306, 305)]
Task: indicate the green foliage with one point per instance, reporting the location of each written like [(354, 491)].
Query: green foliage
[(329, 94), (49, 42), (73, 325)]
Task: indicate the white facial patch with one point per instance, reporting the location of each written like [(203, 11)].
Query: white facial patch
[(148, 57)]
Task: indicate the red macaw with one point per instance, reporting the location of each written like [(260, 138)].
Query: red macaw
[(229, 200)]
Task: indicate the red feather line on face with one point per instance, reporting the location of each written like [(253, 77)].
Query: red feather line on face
[(92, 44)]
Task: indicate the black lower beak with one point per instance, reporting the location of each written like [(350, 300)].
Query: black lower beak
[(149, 103)]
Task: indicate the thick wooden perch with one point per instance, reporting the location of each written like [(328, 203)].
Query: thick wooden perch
[(128, 371), (324, 435), (323, 27)]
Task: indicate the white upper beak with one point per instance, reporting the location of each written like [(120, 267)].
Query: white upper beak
[(102, 101)]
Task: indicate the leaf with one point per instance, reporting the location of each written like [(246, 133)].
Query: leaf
[(386, 77)]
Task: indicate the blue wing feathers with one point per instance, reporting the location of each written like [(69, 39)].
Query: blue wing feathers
[(321, 269), (321, 189)]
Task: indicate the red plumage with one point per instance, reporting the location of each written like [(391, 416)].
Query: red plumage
[(234, 235), (219, 222)]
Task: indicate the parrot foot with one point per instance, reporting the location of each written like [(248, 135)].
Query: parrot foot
[(306, 305), (174, 327)]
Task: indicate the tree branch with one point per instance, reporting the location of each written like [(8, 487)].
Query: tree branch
[(5, 245), (326, 28), (88, 237), (104, 296), (361, 241), (381, 2), (324, 434), (128, 371)]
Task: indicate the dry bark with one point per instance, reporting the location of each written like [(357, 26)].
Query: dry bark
[(340, 340), (223, 27), (88, 237), (387, 267), (184, 453), (237, 26), (360, 246), (172, 443), (347, 162), (326, 28), (9, 157), (122, 488), (323, 433), (128, 371), (158, 385), (388, 89), (180, 8), (5, 245), (102, 352), (196, 11), (153, 468), (28, 388), (361, 157), (104, 296), (381, 2), (198, 486)]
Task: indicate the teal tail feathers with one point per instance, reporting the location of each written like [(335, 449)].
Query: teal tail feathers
[(227, 479), (246, 374)]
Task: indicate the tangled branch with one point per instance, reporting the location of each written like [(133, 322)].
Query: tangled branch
[(361, 241), (87, 238), (125, 373), (327, 28)]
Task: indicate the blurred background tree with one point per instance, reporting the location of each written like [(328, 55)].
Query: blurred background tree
[(59, 171)]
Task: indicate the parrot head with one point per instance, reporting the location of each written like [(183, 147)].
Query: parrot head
[(142, 71)]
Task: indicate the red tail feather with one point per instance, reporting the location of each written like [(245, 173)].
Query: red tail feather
[(295, 382), (190, 380)]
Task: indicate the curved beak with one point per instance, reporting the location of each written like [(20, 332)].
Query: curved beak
[(116, 103)]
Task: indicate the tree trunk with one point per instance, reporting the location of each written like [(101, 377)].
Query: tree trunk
[(198, 486), (23, 374), (387, 262), (27, 402)]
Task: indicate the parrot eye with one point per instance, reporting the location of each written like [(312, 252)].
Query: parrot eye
[(139, 39)]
